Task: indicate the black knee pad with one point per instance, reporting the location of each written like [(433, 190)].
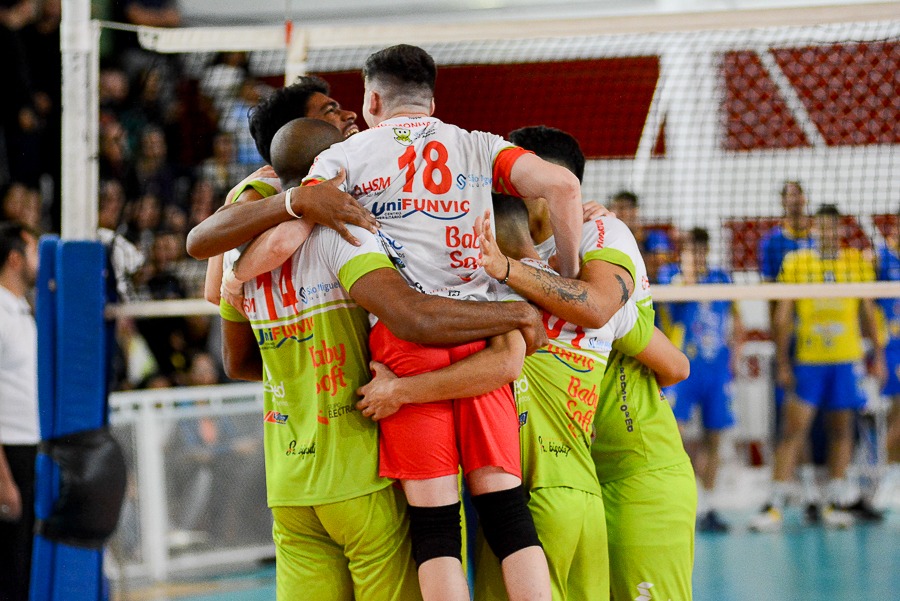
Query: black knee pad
[(505, 521), (435, 532)]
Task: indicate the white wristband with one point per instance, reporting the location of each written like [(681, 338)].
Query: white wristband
[(287, 204)]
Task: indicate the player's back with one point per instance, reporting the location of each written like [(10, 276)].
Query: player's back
[(312, 337), (426, 182)]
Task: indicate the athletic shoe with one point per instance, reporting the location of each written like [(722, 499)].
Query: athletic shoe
[(863, 511), (811, 514), (711, 521), (833, 517), (767, 520)]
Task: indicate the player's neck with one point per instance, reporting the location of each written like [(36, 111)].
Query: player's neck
[(407, 111), (538, 219), (13, 283), (796, 223)]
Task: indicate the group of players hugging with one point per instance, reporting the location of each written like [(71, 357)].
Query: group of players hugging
[(431, 309)]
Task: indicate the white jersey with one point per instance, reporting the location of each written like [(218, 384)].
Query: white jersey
[(426, 182), (609, 239)]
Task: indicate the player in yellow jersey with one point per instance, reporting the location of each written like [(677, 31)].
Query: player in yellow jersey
[(828, 366)]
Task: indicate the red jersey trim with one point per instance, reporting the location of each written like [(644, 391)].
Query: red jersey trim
[(503, 164)]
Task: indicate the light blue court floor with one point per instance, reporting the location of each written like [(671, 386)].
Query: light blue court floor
[(802, 563)]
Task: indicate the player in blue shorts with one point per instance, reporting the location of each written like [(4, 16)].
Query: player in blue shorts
[(706, 332), (889, 271)]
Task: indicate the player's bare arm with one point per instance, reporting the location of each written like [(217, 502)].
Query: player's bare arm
[(480, 373), (240, 351), (324, 204), (783, 329), (430, 319), (590, 301), (212, 285), (670, 365), (869, 318), (534, 177)]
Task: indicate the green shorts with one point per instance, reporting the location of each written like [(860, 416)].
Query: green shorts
[(572, 530), (650, 521), (354, 549)]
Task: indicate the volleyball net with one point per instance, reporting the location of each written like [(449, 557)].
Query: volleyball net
[(701, 118)]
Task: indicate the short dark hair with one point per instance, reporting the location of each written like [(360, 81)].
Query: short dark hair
[(511, 224), (828, 210), (552, 145), (625, 196), (402, 65), (280, 107), (789, 183), (698, 235), (12, 238)]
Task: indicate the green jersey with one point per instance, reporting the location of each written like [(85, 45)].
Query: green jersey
[(313, 340), (635, 430)]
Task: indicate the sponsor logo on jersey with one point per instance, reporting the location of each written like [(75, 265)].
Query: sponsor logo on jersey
[(377, 184), (623, 400), (601, 232), (445, 210), (473, 180), (574, 361), (403, 136), (554, 447), (523, 419), (644, 592), (274, 417), (274, 337), (276, 389), (300, 450)]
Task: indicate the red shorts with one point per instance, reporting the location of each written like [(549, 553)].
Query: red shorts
[(430, 440)]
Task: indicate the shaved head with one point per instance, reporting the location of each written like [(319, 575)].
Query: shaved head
[(297, 144)]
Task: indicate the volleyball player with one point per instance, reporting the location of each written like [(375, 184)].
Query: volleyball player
[(889, 271), (340, 529), (707, 332), (427, 182), (649, 495), (827, 367)]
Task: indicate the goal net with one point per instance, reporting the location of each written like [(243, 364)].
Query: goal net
[(705, 123)]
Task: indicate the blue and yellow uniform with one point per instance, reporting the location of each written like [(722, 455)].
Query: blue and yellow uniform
[(701, 330), (829, 342), (889, 271), (775, 245)]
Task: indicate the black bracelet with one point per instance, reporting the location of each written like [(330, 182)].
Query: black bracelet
[(506, 279)]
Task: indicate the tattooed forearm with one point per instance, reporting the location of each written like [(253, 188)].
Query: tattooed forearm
[(625, 293), (564, 289)]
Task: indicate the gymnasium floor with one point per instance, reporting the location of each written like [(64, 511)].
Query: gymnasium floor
[(802, 563)]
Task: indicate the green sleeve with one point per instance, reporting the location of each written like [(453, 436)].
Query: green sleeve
[(360, 265), (637, 339), (265, 190), (230, 313), (611, 255)]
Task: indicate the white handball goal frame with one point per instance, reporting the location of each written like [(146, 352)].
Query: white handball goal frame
[(312, 48)]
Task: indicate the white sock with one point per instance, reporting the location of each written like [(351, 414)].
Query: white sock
[(809, 485)]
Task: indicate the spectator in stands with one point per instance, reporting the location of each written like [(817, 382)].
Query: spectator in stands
[(710, 334), (826, 371), (151, 172), (234, 121), (115, 154), (150, 104), (221, 81), (114, 90), (202, 202), (223, 481), (889, 271), (21, 203), (152, 13), (143, 219), (655, 245), (222, 169)]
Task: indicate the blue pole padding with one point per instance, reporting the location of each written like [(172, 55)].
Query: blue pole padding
[(72, 398), (81, 361), (45, 317)]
